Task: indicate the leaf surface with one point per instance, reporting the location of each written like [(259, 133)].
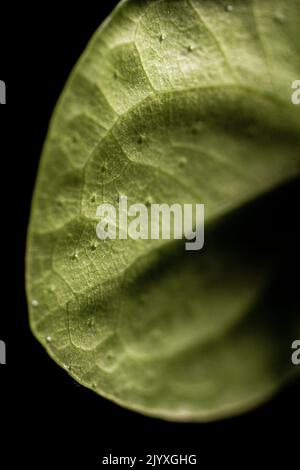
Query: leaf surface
[(182, 101)]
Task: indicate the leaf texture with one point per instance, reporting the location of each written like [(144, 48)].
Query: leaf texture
[(183, 101)]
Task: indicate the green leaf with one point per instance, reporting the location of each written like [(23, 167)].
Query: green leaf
[(185, 101)]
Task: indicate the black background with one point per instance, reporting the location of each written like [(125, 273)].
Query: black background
[(45, 416)]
